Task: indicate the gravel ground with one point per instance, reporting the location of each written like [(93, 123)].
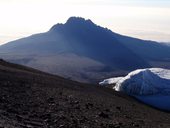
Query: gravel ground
[(33, 99)]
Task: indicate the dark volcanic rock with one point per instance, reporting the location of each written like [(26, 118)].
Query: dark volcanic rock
[(33, 99), (103, 115)]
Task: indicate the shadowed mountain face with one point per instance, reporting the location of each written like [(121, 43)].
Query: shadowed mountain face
[(83, 51), (33, 99)]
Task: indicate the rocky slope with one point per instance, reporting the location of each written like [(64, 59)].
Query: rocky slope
[(33, 99)]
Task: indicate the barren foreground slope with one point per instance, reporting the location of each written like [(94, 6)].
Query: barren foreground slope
[(33, 99)]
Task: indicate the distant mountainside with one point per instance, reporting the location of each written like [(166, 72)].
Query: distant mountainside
[(33, 99), (86, 52)]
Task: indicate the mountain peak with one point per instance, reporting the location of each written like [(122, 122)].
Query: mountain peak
[(74, 21)]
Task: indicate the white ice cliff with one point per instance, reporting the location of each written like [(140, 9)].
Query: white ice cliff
[(151, 86)]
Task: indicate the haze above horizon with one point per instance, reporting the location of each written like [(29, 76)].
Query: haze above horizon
[(137, 18)]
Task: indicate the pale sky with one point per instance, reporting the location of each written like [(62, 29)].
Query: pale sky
[(145, 19)]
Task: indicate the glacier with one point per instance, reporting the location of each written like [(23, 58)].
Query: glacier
[(151, 86), (110, 81)]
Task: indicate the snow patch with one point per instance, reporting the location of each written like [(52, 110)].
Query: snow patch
[(145, 82), (110, 81), (151, 86)]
